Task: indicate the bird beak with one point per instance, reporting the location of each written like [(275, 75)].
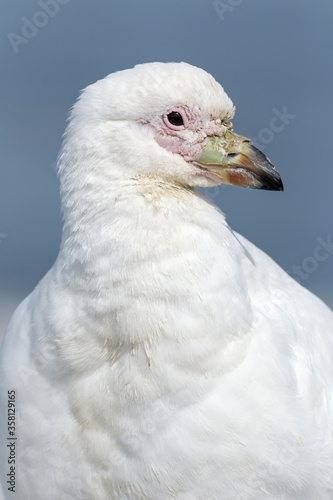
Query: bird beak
[(231, 159)]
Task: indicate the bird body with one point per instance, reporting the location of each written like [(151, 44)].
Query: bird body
[(163, 355)]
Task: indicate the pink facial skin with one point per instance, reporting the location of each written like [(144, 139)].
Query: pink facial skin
[(185, 139)]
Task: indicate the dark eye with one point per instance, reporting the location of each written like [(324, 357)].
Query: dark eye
[(175, 119)]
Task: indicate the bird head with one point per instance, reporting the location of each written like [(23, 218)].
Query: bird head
[(165, 121)]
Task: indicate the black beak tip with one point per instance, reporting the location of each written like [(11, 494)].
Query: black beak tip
[(269, 177), (272, 184)]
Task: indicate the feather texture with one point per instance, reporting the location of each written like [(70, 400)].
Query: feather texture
[(163, 356)]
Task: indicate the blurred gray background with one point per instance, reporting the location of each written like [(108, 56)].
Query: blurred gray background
[(273, 58)]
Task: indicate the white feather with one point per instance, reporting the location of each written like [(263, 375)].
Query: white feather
[(163, 356)]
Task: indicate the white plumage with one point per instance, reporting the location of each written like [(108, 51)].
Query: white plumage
[(164, 356)]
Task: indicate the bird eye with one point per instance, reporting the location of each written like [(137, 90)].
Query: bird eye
[(176, 119)]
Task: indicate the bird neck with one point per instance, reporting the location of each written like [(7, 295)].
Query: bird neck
[(155, 279), (150, 249)]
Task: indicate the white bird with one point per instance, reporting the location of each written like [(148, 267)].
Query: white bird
[(164, 356)]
